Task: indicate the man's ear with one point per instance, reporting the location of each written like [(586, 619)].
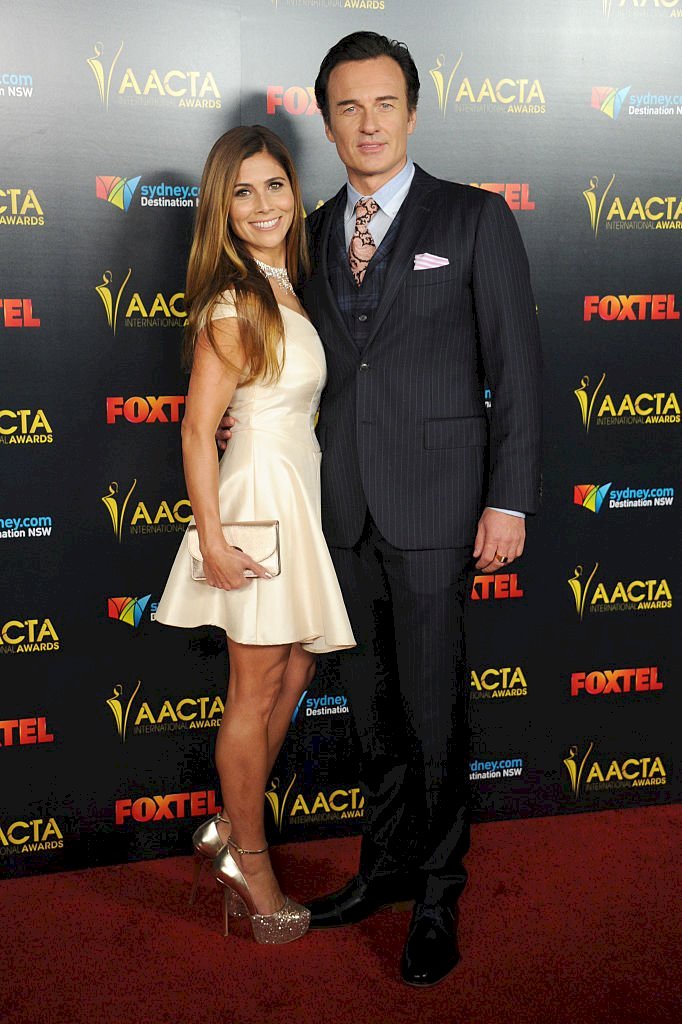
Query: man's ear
[(328, 132), (411, 121)]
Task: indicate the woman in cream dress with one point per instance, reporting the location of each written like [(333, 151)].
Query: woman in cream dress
[(252, 347)]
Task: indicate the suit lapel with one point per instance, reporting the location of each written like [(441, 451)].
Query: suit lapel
[(416, 213), (328, 298)]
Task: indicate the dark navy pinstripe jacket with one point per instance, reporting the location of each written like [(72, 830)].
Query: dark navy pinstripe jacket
[(402, 424)]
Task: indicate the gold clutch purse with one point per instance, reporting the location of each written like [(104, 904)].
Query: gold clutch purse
[(259, 541)]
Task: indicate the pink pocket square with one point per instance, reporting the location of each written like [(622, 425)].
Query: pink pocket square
[(426, 261)]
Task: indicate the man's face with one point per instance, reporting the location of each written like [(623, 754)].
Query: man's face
[(369, 121)]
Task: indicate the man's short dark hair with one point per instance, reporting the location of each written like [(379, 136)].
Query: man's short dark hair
[(365, 46)]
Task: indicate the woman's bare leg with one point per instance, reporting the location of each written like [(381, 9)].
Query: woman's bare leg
[(298, 676), (243, 758)]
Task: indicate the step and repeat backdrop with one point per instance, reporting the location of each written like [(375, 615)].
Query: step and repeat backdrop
[(573, 113)]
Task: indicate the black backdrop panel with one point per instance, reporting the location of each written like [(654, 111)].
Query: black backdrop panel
[(107, 719)]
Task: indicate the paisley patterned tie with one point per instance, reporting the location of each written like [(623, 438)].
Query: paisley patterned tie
[(362, 246)]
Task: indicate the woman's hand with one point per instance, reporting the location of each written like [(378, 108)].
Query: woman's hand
[(224, 431), (224, 567)]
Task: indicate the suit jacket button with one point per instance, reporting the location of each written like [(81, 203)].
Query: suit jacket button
[(364, 367), (362, 318)]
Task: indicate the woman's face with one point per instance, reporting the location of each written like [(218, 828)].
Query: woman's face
[(262, 208)]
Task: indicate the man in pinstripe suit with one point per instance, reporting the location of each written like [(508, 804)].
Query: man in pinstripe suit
[(435, 298)]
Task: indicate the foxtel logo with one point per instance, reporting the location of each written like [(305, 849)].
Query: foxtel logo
[(630, 307), (295, 100), (496, 587), (167, 808), (616, 680), (515, 194), (148, 409), (18, 313), (24, 731)]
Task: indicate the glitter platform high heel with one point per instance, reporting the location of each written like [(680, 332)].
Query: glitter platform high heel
[(208, 842), (286, 924)]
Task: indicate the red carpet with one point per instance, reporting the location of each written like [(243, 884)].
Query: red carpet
[(570, 920)]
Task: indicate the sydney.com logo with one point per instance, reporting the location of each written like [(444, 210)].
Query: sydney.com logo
[(616, 101), (119, 192), (593, 497)]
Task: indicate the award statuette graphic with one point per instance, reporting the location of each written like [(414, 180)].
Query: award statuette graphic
[(443, 89), (121, 711), (97, 68), (277, 808), (575, 773), (594, 205), (587, 404), (581, 592), (111, 501), (105, 294)]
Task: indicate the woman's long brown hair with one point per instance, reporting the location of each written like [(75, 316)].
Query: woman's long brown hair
[(219, 261)]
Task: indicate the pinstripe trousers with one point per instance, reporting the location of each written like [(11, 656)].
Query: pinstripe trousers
[(407, 683)]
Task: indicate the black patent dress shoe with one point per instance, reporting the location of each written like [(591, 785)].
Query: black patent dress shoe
[(357, 900), (431, 950)]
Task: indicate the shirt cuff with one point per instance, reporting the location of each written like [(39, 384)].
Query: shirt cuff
[(508, 512)]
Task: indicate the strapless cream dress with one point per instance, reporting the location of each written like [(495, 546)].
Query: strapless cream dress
[(271, 470)]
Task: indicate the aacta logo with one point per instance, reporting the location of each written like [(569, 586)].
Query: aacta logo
[(630, 307), (513, 95), (606, 410), (616, 680), (335, 805), (127, 609), (632, 596), (18, 313), (495, 683), (150, 409), (25, 426), (117, 191), (166, 716), (30, 836), (496, 587), (28, 636), (295, 100), (20, 208), (151, 311), (648, 5), (24, 731), (633, 213), (178, 87), (625, 773), (516, 194), (172, 807), (154, 518)]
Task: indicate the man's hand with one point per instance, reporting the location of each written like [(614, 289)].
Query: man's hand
[(224, 431), (499, 540)]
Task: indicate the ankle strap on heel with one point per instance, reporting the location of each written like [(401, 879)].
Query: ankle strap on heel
[(226, 821), (240, 851)]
